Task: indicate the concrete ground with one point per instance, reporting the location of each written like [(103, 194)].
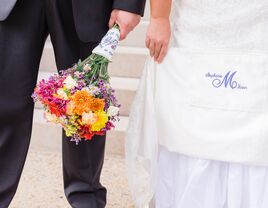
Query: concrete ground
[(41, 183)]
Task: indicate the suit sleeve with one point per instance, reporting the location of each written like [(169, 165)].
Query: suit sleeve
[(133, 6)]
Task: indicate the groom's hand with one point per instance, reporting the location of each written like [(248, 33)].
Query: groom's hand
[(127, 21)]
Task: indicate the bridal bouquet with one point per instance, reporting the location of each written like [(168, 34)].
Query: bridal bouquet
[(81, 98)]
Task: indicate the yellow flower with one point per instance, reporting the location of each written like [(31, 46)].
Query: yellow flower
[(72, 127), (101, 121), (70, 130)]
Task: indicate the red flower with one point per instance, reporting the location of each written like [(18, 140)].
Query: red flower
[(87, 134), (54, 108)]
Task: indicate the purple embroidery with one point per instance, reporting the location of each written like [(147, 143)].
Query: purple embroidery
[(226, 81)]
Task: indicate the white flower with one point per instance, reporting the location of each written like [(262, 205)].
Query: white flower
[(87, 89), (113, 111), (87, 67), (93, 90), (89, 118), (77, 73), (69, 82), (62, 94), (51, 117)]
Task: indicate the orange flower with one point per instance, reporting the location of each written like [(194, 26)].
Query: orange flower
[(82, 102), (97, 104)]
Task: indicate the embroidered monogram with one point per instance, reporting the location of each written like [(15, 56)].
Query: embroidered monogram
[(227, 81)]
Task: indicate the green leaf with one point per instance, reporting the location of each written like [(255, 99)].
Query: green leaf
[(79, 66)]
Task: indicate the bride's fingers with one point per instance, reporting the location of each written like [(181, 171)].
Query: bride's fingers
[(162, 53), (147, 42), (152, 48), (158, 47)]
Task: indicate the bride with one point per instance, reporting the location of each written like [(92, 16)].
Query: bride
[(198, 131)]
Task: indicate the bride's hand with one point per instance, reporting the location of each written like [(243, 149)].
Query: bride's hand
[(157, 38)]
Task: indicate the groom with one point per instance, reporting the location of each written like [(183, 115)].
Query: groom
[(75, 28)]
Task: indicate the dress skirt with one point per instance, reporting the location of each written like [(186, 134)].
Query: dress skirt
[(188, 182), (207, 105)]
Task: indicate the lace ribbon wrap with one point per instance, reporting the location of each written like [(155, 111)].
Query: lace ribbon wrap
[(108, 44)]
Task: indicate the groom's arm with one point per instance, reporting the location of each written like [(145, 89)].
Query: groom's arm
[(132, 6), (127, 14)]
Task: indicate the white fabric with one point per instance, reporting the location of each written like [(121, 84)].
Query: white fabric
[(240, 25), (186, 182), (221, 122), (141, 141), (178, 107)]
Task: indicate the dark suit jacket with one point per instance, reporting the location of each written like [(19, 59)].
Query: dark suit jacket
[(90, 16)]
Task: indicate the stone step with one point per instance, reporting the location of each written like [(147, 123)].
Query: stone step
[(125, 89), (47, 136), (127, 61), (137, 37), (41, 184)]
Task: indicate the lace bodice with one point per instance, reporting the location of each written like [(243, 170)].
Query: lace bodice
[(221, 24)]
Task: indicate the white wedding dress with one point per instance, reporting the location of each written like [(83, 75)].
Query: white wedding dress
[(198, 131)]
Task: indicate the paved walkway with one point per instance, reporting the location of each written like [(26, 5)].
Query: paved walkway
[(41, 182)]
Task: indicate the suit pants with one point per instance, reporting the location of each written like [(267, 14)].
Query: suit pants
[(22, 38)]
